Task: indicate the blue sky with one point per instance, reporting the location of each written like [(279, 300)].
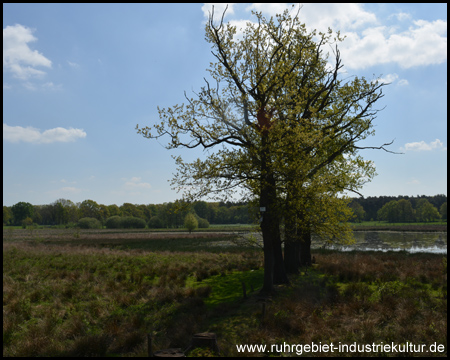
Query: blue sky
[(77, 78)]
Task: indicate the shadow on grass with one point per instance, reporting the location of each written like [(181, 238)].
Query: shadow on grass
[(228, 288)]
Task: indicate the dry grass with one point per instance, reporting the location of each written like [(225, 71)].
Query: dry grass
[(363, 298), (63, 299), (84, 301)]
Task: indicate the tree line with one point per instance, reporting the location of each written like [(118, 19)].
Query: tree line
[(400, 208), (168, 215), (172, 214)]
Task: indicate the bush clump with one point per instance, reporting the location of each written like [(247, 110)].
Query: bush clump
[(203, 223), (114, 222), (155, 223), (131, 222), (89, 223), (127, 222)]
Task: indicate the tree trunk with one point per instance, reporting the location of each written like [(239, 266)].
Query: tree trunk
[(305, 248), (279, 275), (265, 203), (274, 271), (291, 255)]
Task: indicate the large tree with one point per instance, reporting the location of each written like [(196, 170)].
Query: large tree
[(274, 95), (21, 211)]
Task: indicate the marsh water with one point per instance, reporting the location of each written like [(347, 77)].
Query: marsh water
[(429, 242)]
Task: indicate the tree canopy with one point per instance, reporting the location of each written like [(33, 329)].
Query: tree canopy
[(279, 121)]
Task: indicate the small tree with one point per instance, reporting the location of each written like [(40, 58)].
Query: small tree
[(190, 222)]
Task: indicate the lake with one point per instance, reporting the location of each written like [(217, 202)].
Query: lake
[(429, 242)]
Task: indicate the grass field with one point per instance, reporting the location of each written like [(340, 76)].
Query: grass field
[(98, 293)]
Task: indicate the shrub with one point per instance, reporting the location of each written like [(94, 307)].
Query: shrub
[(26, 222), (203, 223), (114, 222), (131, 222), (190, 222), (155, 223), (89, 223)]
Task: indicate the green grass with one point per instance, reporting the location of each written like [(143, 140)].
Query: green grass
[(228, 287)]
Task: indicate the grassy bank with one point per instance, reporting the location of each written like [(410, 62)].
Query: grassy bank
[(385, 226), (100, 298)]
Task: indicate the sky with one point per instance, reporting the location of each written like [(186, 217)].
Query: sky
[(78, 78)]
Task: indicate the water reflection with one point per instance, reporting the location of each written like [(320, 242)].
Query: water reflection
[(429, 242)]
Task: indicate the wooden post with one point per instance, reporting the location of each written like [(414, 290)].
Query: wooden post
[(244, 290), (149, 346)]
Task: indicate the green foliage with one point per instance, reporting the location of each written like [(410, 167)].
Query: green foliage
[(114, 210), (27, 222), (114, 222), (190, 222), (155, 223), (358, 211), (126, 222), (89, 208), (128, 209), (132, 222), (89, 223), (22, 210), (7, 215), (426, 211), (402, 211), (203, 223)]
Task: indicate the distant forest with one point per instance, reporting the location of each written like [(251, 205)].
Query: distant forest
[(172, 214), (403, 209)]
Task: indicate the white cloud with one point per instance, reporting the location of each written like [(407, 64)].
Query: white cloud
[(219, 8), (135, 184), (64, 192), (70, 189), (29, 134), (368, 41), (414, 181), (337, 16), (401, 16), (18, 58), (391, 78), (423, 146), (50, 86), (73, 65), (424, 43), (270, 9)]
